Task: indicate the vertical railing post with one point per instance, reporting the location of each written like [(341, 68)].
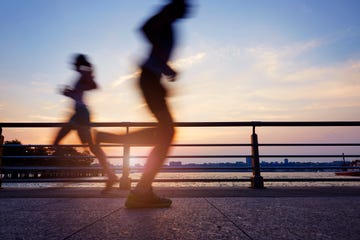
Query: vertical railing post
[(1, 147), (257, 180), (125, 180)]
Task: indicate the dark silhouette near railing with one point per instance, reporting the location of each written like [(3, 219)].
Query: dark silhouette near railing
[(256, 180), (1, 147)]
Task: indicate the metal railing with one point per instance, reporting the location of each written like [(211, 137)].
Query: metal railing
[(257, 181)]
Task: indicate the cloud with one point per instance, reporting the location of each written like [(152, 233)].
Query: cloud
[(42, 82), (297, 49), (355, 65), (189, 61), (272, 61), (180, 63), (291, 50), (125, 78), (277, 83), (43, 118)]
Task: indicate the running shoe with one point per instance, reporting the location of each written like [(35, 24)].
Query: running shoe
[(146, 200), (109, 184)]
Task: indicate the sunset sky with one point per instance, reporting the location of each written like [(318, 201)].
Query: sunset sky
[(239, 60)]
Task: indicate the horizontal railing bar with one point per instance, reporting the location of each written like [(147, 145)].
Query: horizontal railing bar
[(27, 168), (184, 169), (241, 169), (88, 180), (189, 156), (191, 145), (23, 180), (138, 156), (265, 179), (309, 156), (12, 145), (203, 180), (46, 157), (312, 179), (195, 124), (190, 168), (310, 167), (134, 145), (52, 180), (307, 144), (244, 156)]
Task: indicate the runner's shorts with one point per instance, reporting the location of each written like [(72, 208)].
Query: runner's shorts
[(153, 92), (81, 115)]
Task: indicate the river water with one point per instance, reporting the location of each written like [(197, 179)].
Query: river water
[(212, 175)]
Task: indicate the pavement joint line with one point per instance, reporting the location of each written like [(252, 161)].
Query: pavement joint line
[(229, 219), (90, 224)]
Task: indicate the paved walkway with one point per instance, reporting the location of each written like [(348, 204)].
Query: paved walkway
[(201, 213)]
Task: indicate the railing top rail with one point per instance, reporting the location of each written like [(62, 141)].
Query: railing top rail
[(193, 124)]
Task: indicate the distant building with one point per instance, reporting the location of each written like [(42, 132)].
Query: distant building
[(239, 163), (175, 164), (286, 161)]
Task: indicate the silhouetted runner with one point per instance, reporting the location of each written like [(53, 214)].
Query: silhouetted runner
[(159, 32), (80, 120)]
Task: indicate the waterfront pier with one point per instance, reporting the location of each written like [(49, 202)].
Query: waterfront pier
[(256, 211)]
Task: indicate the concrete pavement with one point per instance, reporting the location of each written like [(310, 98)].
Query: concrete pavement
[(196, 213)]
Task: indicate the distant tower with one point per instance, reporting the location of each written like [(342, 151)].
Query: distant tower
[(286, 161), (248, 161)]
